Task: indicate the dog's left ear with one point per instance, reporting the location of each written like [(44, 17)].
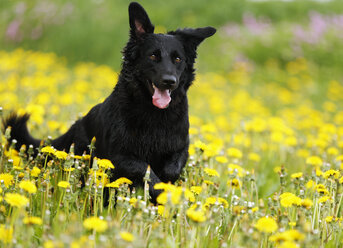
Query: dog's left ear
[(140, 23), (193, 37)]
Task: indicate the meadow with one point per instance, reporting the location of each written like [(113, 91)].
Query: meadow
[(266, 155)]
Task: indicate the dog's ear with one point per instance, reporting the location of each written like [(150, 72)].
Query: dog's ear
[(139, 21), (193, 37)]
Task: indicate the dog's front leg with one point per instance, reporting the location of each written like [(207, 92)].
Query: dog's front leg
[(173, 166), (135, 170)]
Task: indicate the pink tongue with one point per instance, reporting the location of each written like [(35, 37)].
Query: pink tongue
[(161, 98)]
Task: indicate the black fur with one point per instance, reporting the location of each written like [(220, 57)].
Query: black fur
[(131, 130)]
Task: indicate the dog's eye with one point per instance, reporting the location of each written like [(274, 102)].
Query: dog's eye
[(153, 57), (177, 59)]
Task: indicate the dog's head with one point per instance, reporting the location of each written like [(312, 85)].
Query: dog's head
[(162, 63)]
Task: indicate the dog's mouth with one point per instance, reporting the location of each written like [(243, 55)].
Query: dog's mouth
[(160, 97)]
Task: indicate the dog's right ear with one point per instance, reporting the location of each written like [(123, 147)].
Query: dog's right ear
[(139, 21)]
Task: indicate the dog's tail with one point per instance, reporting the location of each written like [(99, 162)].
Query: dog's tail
[(20, 133)]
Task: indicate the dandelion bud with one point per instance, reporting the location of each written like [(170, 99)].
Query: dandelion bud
[(95, 164), (49, 140), (147, 174), (8, 133), (71, 150), (30, 151), (22, 150)]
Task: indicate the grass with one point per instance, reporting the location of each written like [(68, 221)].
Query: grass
[(265, 165)]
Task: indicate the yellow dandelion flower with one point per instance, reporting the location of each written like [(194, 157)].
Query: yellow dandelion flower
[(35, 171), (133, 201), (266, 224), (341, 180), (288, 199), (332, 151), (61, 155), (162, 198), (174, 195), (32, 220), (16, 200), (292, 223), (6, 234), (323, 199), (318, 172), (339, 158), (277, 169), (7, 179), (223, 202), (48, 149), (28, 186), (303, 153), (234, 152), (277, 238), (105, 163), (214, 200), (294, 235), (117, 183), (161, 210), (210, 201), (193, 131), (314, 160), (86, 156), (63, 184), (306, 203), (95, 223), (189, 195), (310, 184), (191, 150), (221, 159), (128, 237), (287, 236), (196, 189), (331, 173), (288, 244), (234, 183), (49, 244), (329, 219), (200, 145), (208, 182), (255, 209), (254, 157), (211, 172), (236, 169), (165, 186), (196, 215), (321, 189), (297, 175)]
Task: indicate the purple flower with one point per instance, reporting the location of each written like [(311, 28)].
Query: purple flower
[(13, 31)]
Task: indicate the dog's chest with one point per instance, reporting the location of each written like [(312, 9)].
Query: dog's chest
[(147, 137)]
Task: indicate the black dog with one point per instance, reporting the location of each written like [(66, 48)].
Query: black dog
[(145, 119)]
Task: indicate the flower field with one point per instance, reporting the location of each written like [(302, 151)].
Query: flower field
[(265, 166)]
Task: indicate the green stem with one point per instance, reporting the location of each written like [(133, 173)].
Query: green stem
[(339, 205), (232, 229)]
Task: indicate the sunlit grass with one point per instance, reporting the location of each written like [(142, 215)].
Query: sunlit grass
[(265, 165)]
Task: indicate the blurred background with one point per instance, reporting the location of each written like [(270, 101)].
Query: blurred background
[(255, 31)]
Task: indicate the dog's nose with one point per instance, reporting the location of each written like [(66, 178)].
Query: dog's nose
[(169, 79)]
